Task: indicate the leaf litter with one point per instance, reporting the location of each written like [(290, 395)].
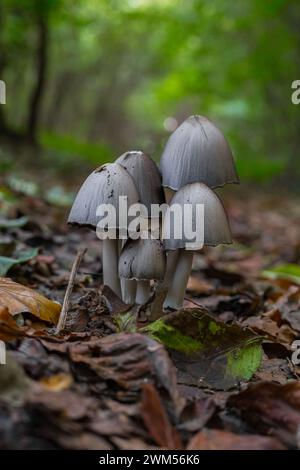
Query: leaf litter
[(216, 375)]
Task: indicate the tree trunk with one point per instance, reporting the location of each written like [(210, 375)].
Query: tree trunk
[(41, 60)]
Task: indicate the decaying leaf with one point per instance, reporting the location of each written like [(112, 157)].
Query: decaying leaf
[(287, 308), (21, 299), (156, 419), (214, 439), (271, 409), (206, 352), (127, 360), (8, 327)]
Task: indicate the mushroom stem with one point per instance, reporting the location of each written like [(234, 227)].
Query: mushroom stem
[(175, 296), (142, 292), (110, 257), (172, 258), (128, 287)]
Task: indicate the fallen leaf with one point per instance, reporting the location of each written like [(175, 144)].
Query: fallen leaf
[(9, 329), (288, 308), (283, 271), (271, 409), (21, 299), (206, 352), (113, 302), (127, 360), (7, 263), (199, 286), (157, 421), (214, 439), (197, 414)]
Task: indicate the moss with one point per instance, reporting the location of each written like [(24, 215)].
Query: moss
[(214, 327)]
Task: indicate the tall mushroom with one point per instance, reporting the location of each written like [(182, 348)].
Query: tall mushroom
[(142, 261), (147, 178), (105, 185), (196, 151), (216, 231)]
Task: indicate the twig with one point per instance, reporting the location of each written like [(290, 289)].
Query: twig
[(65, 307)]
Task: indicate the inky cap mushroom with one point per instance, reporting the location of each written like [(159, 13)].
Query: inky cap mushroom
[(103, 186), (146, 176), (197, 152), (216, 225), (216, 231), (142, 260)]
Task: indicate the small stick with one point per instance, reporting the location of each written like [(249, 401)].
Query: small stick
[(66, 302)]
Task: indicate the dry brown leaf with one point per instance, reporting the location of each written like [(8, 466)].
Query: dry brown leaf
[(271, 409), (21, 299), (9, 330), (213, 439), (199, 286), (157, 421)]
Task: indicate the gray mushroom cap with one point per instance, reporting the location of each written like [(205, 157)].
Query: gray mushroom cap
[(216, 225), (142, 260), (103, 186), (197, 152), (146, 176)]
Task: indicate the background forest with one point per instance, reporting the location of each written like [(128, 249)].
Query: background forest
[(90, 79)]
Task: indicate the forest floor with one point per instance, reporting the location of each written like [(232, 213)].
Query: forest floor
[(103, 385)]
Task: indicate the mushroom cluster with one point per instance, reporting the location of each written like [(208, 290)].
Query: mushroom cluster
[(195, 160)]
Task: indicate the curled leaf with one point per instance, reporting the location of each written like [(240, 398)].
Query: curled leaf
[(21, 299)]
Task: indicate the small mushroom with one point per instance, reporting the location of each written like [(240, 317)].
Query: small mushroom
[(197, 152), (104, 186), (216, 231), (147, 178), (142, 260)]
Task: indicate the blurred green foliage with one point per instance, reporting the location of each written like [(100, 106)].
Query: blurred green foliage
[(117, 69)]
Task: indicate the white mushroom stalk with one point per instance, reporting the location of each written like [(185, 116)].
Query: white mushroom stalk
[(215, 231), (110, 260), (176, 292), (143, 292), (105, 186)]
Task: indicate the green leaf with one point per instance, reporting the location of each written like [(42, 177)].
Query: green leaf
[(206, 352), (284, 271), (13, 223), (7, 263)]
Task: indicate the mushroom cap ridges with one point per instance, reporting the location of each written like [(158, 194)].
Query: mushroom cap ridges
[(142, 260), (103, 186), (216, 225), (197, 152), (146, 175)]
